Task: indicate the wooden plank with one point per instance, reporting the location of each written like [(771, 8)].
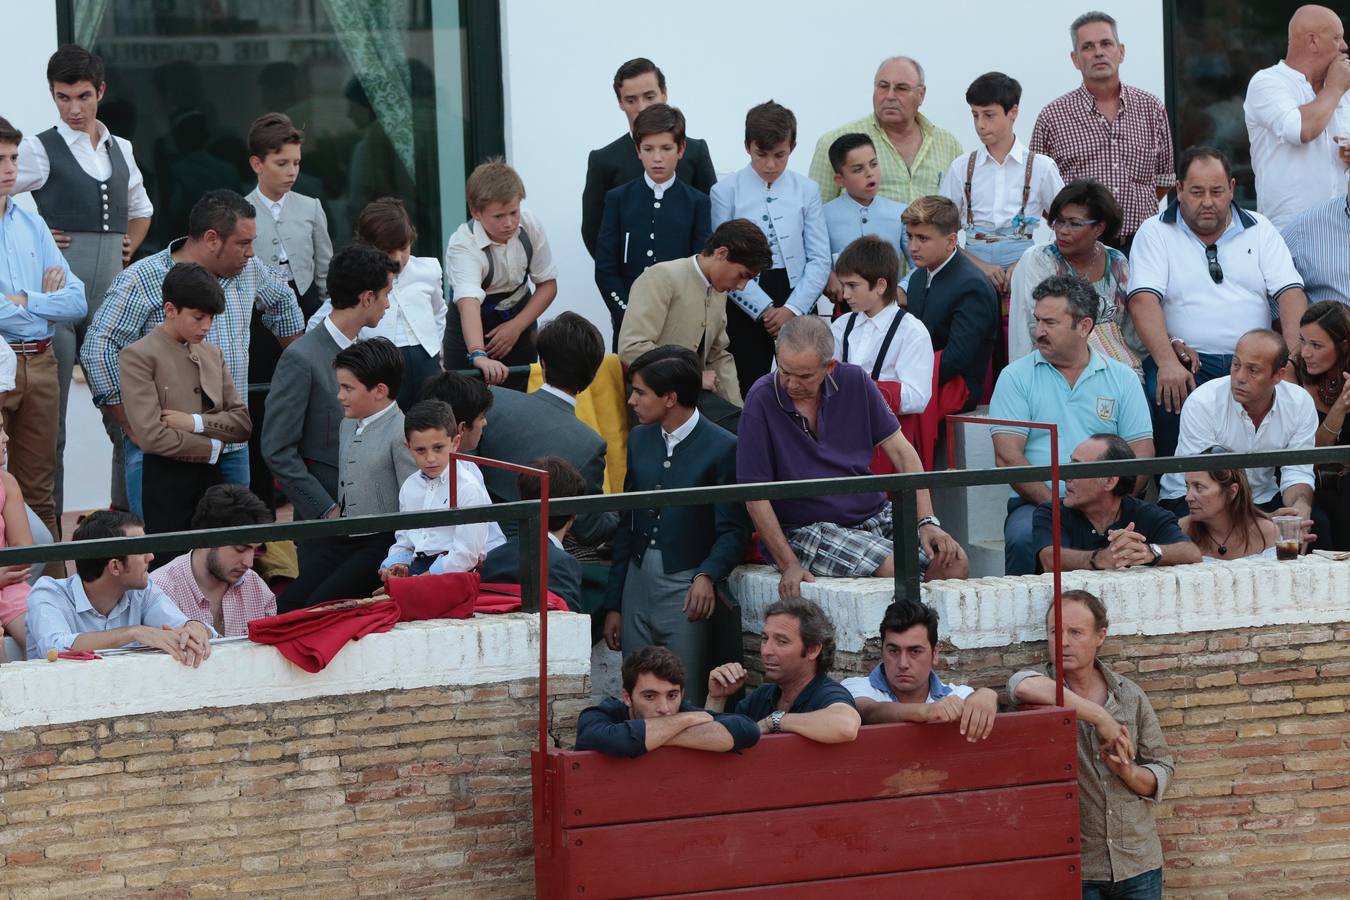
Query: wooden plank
[(833, 840), (1033, 747), (1024, 879)]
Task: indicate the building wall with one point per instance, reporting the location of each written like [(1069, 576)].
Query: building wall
[(720, 59)]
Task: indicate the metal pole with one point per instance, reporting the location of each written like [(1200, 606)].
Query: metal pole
[(1058, 575), (543, 613)]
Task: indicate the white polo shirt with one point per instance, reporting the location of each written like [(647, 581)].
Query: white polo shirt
[(1169, 260), (1210, 417), (1291, 176)]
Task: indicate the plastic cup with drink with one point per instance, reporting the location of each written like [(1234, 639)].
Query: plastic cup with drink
[(1288, 536)]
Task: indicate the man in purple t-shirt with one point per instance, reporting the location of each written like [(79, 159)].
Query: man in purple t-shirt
[(818, 418)]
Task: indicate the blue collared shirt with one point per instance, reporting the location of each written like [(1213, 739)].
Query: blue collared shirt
[(607, 728), (821, 692), (1319, 241), (846, 220), (26, 251), (788, 212), (59, 611)]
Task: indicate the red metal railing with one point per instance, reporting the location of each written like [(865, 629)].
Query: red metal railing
[(1054, 521)]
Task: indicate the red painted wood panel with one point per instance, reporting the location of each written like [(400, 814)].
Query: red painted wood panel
[(1033, 747), (826, 841), (1025, 879)]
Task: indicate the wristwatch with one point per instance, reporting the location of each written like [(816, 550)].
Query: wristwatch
[(1157, 554), (930, 520), (776, 721)]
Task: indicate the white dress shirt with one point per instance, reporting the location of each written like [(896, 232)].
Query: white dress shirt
[(658, 189), (1212, 418), (909, 359), (563, 395), (996, 187), (416, 313), (673, 438), (466, 264), (462, 546), (334, 332), (362, 423), (35, 167), (1291, 176), (9, 367)]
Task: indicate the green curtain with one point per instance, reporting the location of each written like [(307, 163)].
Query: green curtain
[(88, 20)]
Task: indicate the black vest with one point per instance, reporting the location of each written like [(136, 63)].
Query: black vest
[(72, 199)]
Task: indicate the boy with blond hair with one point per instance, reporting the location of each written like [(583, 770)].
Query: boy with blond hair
[(502, 278)]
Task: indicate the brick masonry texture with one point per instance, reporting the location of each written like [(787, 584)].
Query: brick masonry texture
[(413, 793)]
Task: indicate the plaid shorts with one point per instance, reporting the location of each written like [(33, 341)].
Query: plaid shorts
[(857, 551)]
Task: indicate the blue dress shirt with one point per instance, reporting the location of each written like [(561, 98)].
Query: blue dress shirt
[(846, 220), (607, 728), (59, 611), (789, 213), (26, 251)]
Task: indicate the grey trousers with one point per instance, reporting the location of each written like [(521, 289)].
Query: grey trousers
[(653, 613), (96, 258)]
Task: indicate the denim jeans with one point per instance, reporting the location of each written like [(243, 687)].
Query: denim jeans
[(1166, 425), (233, 468), (1019, 557), (1147, 886)]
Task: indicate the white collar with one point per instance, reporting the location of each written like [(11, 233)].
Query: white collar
[(72, 137), (362, 424), (269, 201), (883, 317), (336, 334), (860, 207), (699, 269), (1018, 154), (553, 539), (679, 434), (443, 478), (932, 273), (658, 189), (571, 401)]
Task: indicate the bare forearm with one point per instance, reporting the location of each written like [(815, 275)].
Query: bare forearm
[(708, 736), (136, 232), (1293, 304), (107, 640), (1149, 321), (470, 325), (837, 724), (544, 295), (1317, 113), (1179, 554), (875, 712), (1141, 780), (662, 729), (1068, 559), (1040, 689), (771, 533), (1300, 497)]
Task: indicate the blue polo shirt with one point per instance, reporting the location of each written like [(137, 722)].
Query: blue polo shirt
[(607, 728), (1106, 399), (822, 691), (1157, 525)]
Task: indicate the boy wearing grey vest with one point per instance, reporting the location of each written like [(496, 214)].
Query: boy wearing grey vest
[(373, 462), (91, 194)]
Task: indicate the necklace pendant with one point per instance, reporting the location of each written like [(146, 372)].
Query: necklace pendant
[(1223, 551)]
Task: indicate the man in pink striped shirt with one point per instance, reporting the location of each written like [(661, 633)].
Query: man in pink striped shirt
[(217, 585)]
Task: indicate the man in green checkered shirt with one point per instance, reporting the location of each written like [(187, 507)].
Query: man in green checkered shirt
[(913, 152)]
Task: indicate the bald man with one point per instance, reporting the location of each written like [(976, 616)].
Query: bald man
[(912, 152), (1298, 119)]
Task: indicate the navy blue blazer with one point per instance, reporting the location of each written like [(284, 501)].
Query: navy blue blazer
[(617, 163), (502, 566), (638, 230), (960, 311), (711, 538)]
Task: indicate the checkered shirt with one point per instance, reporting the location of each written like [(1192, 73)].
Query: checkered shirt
[(243, 602), (1132, 156)]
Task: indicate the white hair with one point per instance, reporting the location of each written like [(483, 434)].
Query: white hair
[(909, 59)]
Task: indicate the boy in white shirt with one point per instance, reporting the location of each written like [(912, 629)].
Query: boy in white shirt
[(879, 335), (430, 431)]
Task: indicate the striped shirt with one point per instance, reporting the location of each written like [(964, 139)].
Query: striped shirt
[(134, 305), (900, 181), (1132, 156), (247, 599), (1319, 241)]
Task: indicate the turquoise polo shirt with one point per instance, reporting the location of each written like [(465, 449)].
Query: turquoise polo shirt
[(1107, 399)]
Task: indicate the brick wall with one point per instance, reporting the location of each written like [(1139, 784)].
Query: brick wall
[(406, 793)]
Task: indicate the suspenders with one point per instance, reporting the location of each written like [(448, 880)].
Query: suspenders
[(491, 300), (885, 341), (1026, 192)]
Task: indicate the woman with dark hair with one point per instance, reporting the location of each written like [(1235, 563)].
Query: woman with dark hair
[(1223, 521), (1323, 367), (1084, 216)]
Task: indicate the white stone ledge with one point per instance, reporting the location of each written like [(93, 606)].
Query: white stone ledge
[(996, 612), (443, 652)]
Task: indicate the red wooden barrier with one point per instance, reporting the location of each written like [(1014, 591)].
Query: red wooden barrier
[(911, 806)]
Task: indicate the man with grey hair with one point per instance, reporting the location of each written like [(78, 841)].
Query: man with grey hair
[(1068, 383), (1107, 131), (912, 152), (818, 418)]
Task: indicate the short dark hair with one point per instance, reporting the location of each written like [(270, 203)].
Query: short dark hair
[(468, 397), (871, 258), (355, 269), (71, 64), (386, 225), (816, 628), (671, 369), (270, 132), (8, 133), (1090, 600), (219, 211), (653, 660), (846, 144), (770, 124), (564, 480), (902, 615), (1117, 449), (189, 286), (105, 523), (635, 67), (1088, 18), (1281, 348), (1198, 152), (746, 244), (373, 361), (1101, 205), (229, 506), (429, 415), (571, 350), (1077, 293), (994, 88), (658, 119)]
